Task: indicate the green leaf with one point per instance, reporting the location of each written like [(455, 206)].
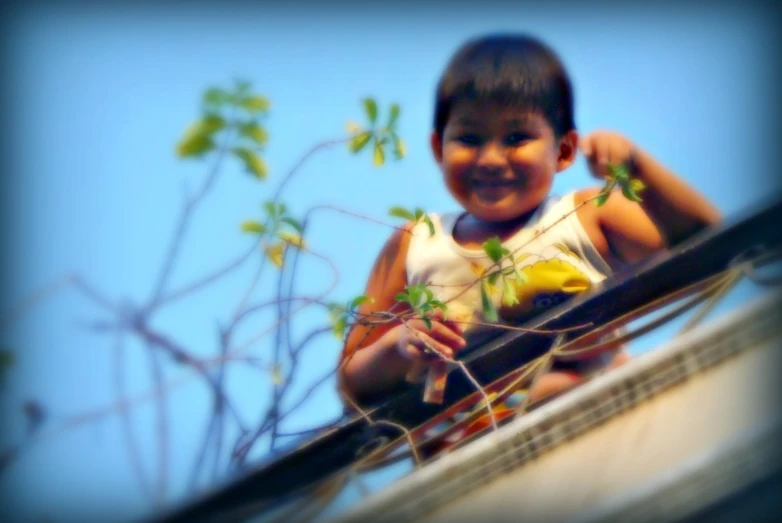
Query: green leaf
[(379, 156), (276, 253), (401, 212), (492, 279), (198, 137), (254, 132), (493, 249), (370, 107), (520, 277), (252, 162), (255, 104), (399, 148), (509, 297), (271, 209), (637, 185), (602, 198), (619, 172), (211, 123), (414, 293), (489, 311), (293, 223), (628, 193), (358, 142), (293, 239), (196, 145), (339, 327), (427, 322), (438, 304), (215, 96), (360, 300), (393, 115), (402, 297), (253, 227), (429, 223)]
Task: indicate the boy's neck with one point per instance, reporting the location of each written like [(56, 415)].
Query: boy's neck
[(472, 230)]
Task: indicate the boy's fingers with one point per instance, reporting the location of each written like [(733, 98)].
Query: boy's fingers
[(586, 146), (445, 334), (424, 341)]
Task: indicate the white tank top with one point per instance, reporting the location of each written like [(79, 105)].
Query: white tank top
[(554, 255)]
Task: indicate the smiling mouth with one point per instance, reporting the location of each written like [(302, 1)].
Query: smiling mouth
[(495, 183)]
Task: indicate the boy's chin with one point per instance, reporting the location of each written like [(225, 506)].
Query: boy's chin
[(501, 211)]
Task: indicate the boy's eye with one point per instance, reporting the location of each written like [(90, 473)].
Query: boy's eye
[(517, 138), (469, 139)]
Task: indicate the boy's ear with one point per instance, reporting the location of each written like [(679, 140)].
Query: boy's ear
[(568, 150), (437, 147)]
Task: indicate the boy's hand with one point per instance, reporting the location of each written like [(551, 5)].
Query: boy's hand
[(412, 338), (605, 148)]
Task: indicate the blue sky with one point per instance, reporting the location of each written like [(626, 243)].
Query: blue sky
[(100, 95)]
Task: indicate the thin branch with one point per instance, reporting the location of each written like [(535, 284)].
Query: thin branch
[(314, 430), (180, 355), (205, 446), (127, 424), (181, 229), (206, 280), (317, 299), (239, 310), (156, 371), (464, 369), (387, 423), (357, 215), (317, 147)]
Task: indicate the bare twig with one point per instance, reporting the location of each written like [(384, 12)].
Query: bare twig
[(387, 423), (127, 425), (156, 371), (181, 229), (206, 280)]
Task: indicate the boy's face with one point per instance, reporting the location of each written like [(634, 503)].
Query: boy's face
[(499, 162)]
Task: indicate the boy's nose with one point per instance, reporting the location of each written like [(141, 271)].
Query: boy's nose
[(491, 157)]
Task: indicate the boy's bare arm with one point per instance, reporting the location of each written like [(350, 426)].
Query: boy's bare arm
[(678, 210), (671, 210), (369, 365), (378, 357)]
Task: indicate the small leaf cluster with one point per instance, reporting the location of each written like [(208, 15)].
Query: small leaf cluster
[(280, 226), (252, 109), (380, 136), (417, 215), (340, 315), (510, 276), (620, 176), (422, 301)]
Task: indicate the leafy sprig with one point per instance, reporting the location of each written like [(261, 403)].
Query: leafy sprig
[(282, 227), (416, 216), (422, 301), (340, 315), (252, 108), (381, 136), (619, 175)]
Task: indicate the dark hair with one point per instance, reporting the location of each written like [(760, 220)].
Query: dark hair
[(513, 70)]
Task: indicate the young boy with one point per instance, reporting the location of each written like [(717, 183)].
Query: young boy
[(503, 127)]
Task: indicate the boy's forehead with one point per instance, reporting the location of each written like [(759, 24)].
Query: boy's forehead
[(478, 112)]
